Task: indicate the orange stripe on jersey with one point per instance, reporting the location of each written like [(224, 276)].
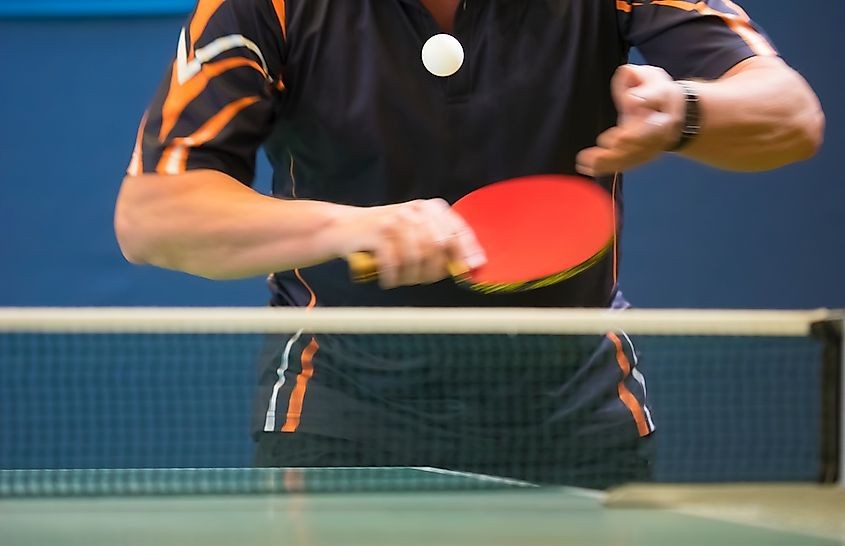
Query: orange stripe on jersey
[(279, 7), (737, 9), (175, 158), (219, 121), (202, 15), (180, 96), (136, 165), (313, 301), (737, 22), (765, 46), (297, 397), (625, 395), (622, 5)]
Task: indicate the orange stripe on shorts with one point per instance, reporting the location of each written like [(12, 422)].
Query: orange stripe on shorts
[(297, 397), (625, 395)]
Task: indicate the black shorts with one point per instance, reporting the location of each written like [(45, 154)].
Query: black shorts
[(552, 463), (550, 409)]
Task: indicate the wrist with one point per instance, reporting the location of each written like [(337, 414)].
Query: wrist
[(690, 123), (344, 231)]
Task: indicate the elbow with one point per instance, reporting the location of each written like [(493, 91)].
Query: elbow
[(805, 137), (129, 230), (141, 242), (813, 137), (797, 126), (798, 137), (144, 239), (147, 234), (808, 123), (127, 240)]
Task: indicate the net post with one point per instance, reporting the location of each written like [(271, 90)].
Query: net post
[(832, 452), (838, 364)]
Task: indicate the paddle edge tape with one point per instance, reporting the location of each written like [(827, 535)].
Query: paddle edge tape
[(523, 286)]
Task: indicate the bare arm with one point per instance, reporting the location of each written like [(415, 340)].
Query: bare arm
[(208, 224), (201, 221), (759, 116)]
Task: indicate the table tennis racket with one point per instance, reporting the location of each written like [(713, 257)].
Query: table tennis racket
[(535, 230)]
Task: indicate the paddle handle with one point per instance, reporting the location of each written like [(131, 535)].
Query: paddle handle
[(363, 268)]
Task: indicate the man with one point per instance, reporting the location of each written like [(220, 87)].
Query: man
[(368, 148)]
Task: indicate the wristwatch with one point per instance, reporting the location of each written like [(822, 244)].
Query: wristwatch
[(692, 116)]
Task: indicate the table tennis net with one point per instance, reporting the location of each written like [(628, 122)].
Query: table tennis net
[(180, 401)]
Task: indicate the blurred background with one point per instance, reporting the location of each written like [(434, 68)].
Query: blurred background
[(77, 75)]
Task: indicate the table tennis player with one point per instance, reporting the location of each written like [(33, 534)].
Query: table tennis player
[(369, 147)]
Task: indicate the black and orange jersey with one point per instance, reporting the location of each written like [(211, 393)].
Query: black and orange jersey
[(336, 93)]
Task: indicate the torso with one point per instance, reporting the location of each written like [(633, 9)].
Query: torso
[(362, 122)]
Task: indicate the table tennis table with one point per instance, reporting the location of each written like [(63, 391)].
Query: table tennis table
[(311, 507)]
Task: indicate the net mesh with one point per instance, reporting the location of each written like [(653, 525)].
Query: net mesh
[(178, 401)]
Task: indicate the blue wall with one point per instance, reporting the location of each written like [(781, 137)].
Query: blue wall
[(74, 89), (70, 102), (87, 8)]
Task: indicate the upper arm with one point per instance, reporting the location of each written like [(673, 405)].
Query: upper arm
[(217, 102), (692, 38)]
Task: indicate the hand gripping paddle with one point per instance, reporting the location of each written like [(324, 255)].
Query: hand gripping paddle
[(536, 231)]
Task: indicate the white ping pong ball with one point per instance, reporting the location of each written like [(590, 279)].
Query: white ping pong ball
[(442, 55)]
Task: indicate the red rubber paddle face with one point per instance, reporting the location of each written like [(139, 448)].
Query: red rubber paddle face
[(537, 230)]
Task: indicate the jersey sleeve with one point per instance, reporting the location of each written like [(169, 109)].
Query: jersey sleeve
[(692, 38), (217, 102)]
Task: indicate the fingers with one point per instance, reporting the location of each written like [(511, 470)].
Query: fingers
[(441, 232), (635, 87), (624, 147), (388, 257), (458, 240), (650, 109), (417, 241), (411, 240), (623, 86)]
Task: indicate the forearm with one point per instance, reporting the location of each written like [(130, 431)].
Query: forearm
[(761, 115), (208, 224)]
